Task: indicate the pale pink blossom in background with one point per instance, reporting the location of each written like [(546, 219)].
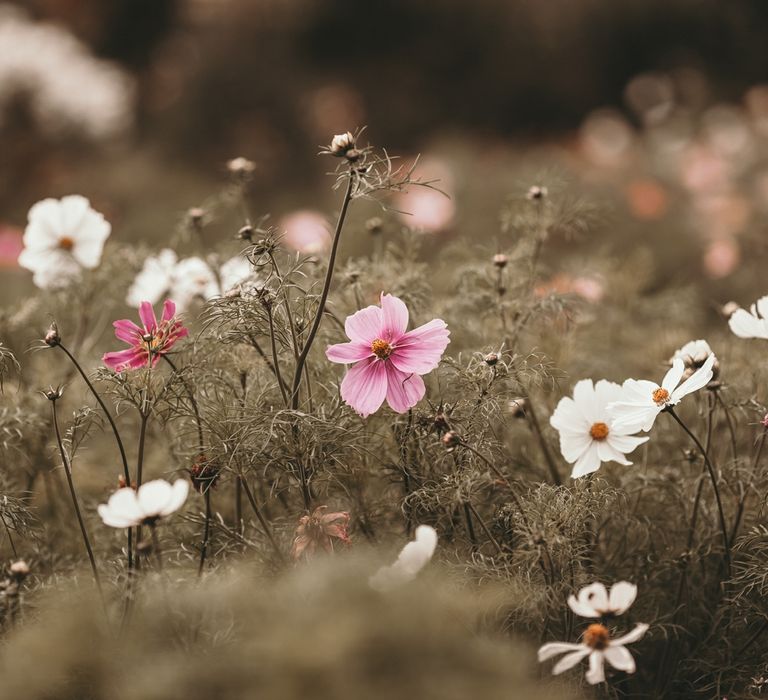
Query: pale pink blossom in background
[(424, 208), (647, 199), (721, 214), (388, 360), (588, 288), (703, 170), (334, 109), (606, 139), (722, 257), (149, 341), (11, 245), (305, 231)]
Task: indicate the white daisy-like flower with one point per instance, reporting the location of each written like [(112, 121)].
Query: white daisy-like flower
[(588, 437), (642, 400), (752, 323), (62, 237), (234, 272), (599, 647), (693, 354), (595, 601), (412, 559), (153, 501), (155, 280)]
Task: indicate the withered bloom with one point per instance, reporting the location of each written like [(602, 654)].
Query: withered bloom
[(318, 531), (204, 474)]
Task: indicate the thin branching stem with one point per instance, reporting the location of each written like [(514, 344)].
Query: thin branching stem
[(262, 520)]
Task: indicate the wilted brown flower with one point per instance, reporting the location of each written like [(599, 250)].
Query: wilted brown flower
[(318, 531), (204, 474)]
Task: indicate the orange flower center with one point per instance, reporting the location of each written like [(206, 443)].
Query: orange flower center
[(381, 348), (660, 396), (596, 636), (66, 243), (599, 431)]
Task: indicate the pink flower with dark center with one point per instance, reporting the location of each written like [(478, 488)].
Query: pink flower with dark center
[(318, 531), (388, 360), (149, 341)]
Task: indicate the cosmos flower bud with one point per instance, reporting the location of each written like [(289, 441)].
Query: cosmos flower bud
[(764, 422), (491, 359), (374, 225), (196, 215), (53, 394), (19, 570), (500, 260), (342, 144), (729, 309), (52, 337), (241, 167), (536, 192), (451, 440), (517, 407)]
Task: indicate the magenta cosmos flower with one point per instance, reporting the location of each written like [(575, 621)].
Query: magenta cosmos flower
[(388, 360), (153, 339)]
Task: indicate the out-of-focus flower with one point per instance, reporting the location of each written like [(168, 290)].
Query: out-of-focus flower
[(536, 192), (155, 279), (389, 360), (595, 601), (694, 354), (241, 167), (641, 400), (599, 647), (588, 288), (153, 501), (752, 324), (147, 342), (67, 88), (647, 199), (722, 257), (703, 170), (319, 531), (607, 139), (62, 237), (306, 231), (426, 209), (651, 96), (411, 560), (11, 245), (587, 436)]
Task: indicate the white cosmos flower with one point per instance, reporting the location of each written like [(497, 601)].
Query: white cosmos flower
[(752, 324), (599, 647), (587, 435), (595, 601), (641, 400), (62, 237), (694, 354), (412, 559), (183, 281), (154, 500)]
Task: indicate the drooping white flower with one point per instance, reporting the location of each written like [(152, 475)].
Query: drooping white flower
[(62, 237), (587, 436), (595, 601), (599, 647), (412, 559), (155, 280), (751, 324), (642, 400), (154, 500), (694, 354)]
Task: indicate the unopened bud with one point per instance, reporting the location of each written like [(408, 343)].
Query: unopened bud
[(690, 455), (245, 233), (536, 192), (517, 407), (242, 167), (342, 144), (19, 570), (52, 394), (500, 260), (52, 337), (729, 309), (196, 215), (491, 359), (374, 225), (451, 439)]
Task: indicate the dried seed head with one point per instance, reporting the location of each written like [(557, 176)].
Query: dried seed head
[(491, 359), (204, 474), (451, 440), (374, 225), (536, 192), (53, 394), (52, 337), (500, 260)]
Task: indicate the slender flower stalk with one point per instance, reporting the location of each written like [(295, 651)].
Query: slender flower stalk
[(53, 395), (262, 520)]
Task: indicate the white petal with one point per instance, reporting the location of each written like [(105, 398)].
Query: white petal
[(412, 559), (595, 596), (547, 651), (596, 673), (586, 402), (570, 660), (762, 307), (625, 443), (582, 609), (179, 492), (622, 595), (745, 325), (574, 445), (607, 453), (632, 636), (699, 379), (154, 496), (620, 658), (568, 416), (674, 375), (588, 462)]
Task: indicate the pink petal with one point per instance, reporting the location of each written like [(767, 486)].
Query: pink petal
[(125, 359), (364, 326), (420, 350), (348, 352), (394, 317), (127, 331), (404, 390), (365, 386), (147, 316), (169, 310)]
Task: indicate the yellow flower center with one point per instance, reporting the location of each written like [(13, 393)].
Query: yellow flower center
[(660, 396), (599, 431), (381, 348), (596, 636), (66, 243)]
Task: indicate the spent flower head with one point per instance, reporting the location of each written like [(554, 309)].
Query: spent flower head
[(319, 531)]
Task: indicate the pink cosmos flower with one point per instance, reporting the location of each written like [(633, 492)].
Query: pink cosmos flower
[(318, 531), (388, 360), (149, 341)]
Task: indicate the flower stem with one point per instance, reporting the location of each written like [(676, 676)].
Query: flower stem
[(75, 503), (262, 520), (753, 471), (193, 401), (206, 530), (115, 432), (713, 478)]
